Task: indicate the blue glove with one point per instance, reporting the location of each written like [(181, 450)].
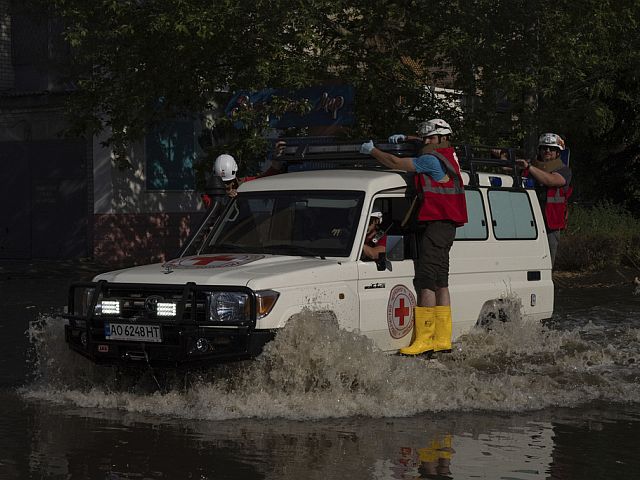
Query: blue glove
[(397, 138), (366, 147)]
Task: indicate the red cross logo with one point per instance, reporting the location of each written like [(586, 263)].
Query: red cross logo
[(214, 261), (201, 261), (401, 312)]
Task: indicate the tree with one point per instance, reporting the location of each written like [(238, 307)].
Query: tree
[(527, 66), (137, 62), (562, 66)]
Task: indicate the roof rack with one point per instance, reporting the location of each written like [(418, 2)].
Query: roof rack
[(319, 153), (473, 156)]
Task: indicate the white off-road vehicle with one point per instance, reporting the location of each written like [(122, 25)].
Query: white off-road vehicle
[(291, 245)]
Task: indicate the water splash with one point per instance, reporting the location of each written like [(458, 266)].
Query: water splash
[(314, 370)]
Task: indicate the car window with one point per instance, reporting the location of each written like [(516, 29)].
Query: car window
[(476, 227), (512, 216)]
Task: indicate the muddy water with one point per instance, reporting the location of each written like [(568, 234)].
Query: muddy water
[(526, 401)]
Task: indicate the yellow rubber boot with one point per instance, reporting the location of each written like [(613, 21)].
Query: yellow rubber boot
[(442, 337), (423, 330)]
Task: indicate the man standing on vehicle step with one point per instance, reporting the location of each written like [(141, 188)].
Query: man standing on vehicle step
[(442, 208)]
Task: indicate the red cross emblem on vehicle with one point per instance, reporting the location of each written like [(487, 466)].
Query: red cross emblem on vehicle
[(201, 261), (213, 261), (400, 311)]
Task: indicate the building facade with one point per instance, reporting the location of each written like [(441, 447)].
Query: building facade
[(62, 197)]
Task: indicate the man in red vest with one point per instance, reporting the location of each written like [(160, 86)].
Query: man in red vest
[(552, 182), (442, 209)]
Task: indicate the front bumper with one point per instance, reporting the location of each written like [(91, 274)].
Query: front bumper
[(179, 346), (185, 340)]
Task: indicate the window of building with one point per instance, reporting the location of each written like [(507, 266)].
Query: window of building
[(170, 154), (512, 215)]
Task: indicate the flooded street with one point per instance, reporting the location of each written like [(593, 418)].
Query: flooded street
[(522, 401)]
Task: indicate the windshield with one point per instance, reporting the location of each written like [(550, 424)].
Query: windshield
[(318, 223)]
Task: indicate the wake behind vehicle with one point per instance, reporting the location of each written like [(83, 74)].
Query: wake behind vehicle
[(290, 245)]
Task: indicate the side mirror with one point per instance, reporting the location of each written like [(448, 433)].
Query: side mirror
[(395, 248)]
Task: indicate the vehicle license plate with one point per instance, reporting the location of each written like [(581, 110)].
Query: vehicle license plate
[(133, 333)]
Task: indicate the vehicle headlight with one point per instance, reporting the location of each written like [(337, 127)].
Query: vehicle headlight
[(81, 300), (108, 307), (228, 307)]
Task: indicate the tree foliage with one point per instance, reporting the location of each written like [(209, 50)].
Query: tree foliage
[(527, 66), (138, 62), (568, 67)]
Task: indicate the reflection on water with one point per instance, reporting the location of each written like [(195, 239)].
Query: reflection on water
[(74, 443)]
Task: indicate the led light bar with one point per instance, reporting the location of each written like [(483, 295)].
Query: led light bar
[(110, 307), (164, 309)]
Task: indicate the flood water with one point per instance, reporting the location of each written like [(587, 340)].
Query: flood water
[(522, 401)]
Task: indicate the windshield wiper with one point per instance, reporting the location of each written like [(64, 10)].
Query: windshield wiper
[(293, 250)]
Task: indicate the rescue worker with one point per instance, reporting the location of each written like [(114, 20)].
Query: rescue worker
[(442, 209), (275, 165), (375, 242), (552, 183), (225, 168)]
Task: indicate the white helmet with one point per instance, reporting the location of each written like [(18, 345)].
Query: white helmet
[(376, 214), (226, 167), (435, 126), (551, 140)]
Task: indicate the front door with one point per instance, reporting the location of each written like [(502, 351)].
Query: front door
[(388, 297)]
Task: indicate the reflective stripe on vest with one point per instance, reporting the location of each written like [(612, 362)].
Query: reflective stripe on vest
[(453, 175), (555, 210), (556, 198)]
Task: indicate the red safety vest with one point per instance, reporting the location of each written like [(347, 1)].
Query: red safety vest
[(555, 210), (443, 201), (556, 213)]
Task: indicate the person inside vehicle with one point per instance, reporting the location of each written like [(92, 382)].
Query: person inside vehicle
[(442, 208), (375, 242), (552, 179)]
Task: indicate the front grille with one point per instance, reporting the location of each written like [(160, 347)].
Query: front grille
[(139, 303), (136, 301)]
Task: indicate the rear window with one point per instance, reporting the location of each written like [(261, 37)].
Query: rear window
[(512, 215)]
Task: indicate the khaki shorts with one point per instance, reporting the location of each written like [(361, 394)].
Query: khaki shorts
[(432, 271)]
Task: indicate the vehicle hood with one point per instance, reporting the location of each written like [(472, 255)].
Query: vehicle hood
[(251, 270)]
